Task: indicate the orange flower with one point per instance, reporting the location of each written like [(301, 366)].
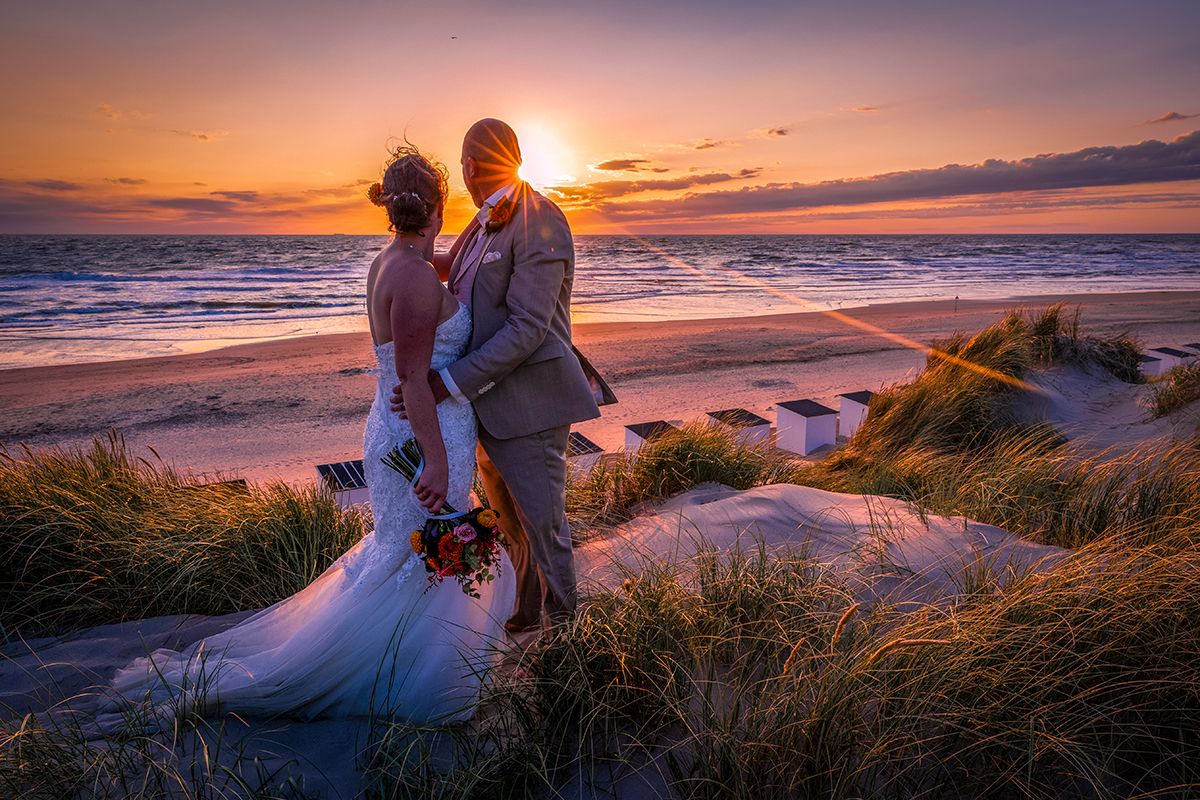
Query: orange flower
[(488, 518), (374, 192), (450, 550), (499, 215), (415, 541)]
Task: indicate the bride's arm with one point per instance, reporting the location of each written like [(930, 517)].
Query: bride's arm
[(415, 304)]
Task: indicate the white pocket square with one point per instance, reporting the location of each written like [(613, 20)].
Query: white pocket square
[(490, 257)]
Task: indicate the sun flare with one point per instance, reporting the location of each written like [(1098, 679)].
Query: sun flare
[(546, 161)]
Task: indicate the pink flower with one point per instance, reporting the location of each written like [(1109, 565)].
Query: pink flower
[(464, 533)]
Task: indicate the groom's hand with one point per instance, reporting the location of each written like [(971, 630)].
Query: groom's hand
[(436, 384)]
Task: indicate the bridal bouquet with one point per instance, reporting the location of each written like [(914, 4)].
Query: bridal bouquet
[(460, 545)]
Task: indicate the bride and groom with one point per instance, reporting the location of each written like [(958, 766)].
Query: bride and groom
[(480, 368)]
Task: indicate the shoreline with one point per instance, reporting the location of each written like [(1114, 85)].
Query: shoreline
[(270, 410), (226, 344)]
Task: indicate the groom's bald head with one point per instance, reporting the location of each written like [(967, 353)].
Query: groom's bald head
[(490, 157)]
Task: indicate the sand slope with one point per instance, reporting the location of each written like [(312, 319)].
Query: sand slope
[(1100, 414), (884, 549)]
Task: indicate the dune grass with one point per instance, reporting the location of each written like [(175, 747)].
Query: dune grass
[(98, 536), (1178, 388), (755, 675)]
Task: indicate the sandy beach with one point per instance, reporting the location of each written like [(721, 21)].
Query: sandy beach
[(272, 410)]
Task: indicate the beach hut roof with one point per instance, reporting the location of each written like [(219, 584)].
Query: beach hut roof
[(580, 445), (1171, 351), (806, 408), (343, 475), (862, 397), (1144, 359), (738, 417), (650, 430)]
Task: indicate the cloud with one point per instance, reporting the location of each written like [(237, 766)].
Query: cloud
[(198, 205), (52, 185), (621, 164), (127, 181), (709, 144), (109, 112), (598, 191), (867, 109), (778, 132), (241, 197), (203, 136), (1151, 161), (1171, 116)]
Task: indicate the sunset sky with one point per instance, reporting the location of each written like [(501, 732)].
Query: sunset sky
[(271, 117)]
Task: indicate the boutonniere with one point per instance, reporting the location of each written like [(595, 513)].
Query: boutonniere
[(499, 215)]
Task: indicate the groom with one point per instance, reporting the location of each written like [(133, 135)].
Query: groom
[(513, 267)]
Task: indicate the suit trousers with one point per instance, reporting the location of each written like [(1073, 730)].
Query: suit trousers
[(525, 480)]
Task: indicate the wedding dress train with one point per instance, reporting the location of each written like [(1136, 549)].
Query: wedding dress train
[(370, 635)]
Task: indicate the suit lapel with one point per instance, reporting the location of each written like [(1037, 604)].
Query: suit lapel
[(463, 244)]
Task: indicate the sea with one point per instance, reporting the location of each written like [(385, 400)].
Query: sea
[(73, 299)]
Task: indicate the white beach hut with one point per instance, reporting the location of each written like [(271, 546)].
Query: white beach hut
[(751, 428), (346, 480), (1194, 347), (1170, 356), (1150, 366), (582, 453), (639, 433), (803, 426), (853, 411)]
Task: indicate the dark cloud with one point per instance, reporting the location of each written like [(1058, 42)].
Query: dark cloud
[(600, 191), (1151, 161), (778, 132), (1171, 116), (622, 164), (241, 197), (127, 181), (50, 184), (709, 144), (196, 205), (867, 109)]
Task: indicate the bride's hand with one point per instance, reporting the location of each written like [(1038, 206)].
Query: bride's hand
[(433, 485)]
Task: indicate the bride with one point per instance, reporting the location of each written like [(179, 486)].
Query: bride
[(370, 635)]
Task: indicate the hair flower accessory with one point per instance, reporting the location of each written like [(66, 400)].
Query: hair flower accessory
[(499, 215), (375, 193)]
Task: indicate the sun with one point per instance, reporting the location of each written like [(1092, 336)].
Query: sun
[(545, 161)]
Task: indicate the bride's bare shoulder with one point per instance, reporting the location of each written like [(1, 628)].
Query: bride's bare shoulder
[(407, 276)]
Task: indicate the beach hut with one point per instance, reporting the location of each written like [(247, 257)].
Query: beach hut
[(751, 429), (802, 426), (346, 480), (639, 433), (1171, 356), (1151, 366), (582, 453), (853, 411), (1194, 347)]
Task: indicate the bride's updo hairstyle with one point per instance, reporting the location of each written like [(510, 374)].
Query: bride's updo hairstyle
[(413, 189)]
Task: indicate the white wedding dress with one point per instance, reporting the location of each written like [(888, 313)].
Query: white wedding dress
[(370, 635)]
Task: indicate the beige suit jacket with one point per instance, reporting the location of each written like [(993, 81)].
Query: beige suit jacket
[(520, 372)]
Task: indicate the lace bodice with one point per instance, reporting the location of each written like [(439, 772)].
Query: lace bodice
[(394, 507)]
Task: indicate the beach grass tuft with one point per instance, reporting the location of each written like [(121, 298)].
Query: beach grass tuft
[(98, 535), (1180, 387)]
